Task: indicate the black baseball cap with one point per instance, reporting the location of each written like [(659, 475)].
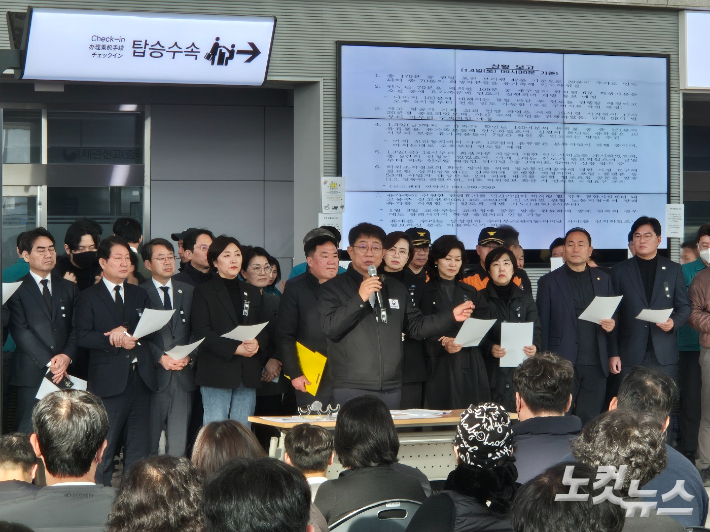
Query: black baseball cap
[(490, 235), (419, 236), (181, 235)]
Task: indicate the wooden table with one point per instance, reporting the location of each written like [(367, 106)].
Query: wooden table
[(431, 452)]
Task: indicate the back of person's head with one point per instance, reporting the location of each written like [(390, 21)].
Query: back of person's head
[(78, 229), (188, 243), (16, 454), (366, 230), (159, 493), (221, 441), (70, 426), (365, 435), (128, 229), (309, 448), (484, 436), (535, 508), (544, 382), (27, 242), (257, 495), (623, 437), (13, 527), (647, 390)]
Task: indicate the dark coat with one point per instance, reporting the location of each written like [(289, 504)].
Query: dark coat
[(176, 332), (109, 366), (39, 333), (271, 304), (191, 275), (213, 315), (630, 336), (541, 442), (520, 308), (414, 361), (454, 380), (364, 353), (558, 317)]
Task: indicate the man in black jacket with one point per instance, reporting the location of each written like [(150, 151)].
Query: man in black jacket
[(41, 322), (196, 269), (543, 386), (364, 318), (121, 369), (298, 319)]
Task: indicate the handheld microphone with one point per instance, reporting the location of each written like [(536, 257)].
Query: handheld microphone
[(383, 310)]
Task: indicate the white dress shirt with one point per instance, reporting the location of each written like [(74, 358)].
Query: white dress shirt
[(111, 291), (39, 280), (159, 287)]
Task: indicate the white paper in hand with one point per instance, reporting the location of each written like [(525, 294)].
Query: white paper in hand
[(8, 289), (181, 351), (513, 337), (655, 316), (152, 321), (243, 333), (601, 308), (472, 332), (48, 387)]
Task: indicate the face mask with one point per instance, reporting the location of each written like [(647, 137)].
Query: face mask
[(705, 255), (84, 260)]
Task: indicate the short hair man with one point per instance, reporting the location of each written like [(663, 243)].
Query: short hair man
[(543, 393), (537, 510), (310, 450), (132, 232), (80, 243), (197, 269), (647, 281), (70, 439), (172, 403), (121, 368), (562, 296), (421, 242), (489, 239), (644, 390), (688, 252), (557, 248), (257, 495), (41, 323), (364, 331), (18, 466), (316, 234), (180, 239), (689, 369), (298, 320)]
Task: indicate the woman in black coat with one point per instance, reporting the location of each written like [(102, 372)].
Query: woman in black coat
[(456, 375), (505, 302), (398, 254), (228, 371)]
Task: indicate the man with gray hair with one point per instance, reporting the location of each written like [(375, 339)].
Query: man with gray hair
[(70, 428)]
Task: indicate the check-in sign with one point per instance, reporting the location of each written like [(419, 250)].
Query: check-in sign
[(83, 45)]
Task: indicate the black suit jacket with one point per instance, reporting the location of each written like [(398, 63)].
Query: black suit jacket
[(630, 335), (109, 366), (176, 332), (39, 333), (213, 315), (559, 319)]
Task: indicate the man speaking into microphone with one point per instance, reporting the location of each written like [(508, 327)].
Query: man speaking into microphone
[(363, 318)]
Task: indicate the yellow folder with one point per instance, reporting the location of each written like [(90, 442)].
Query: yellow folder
[(312, 365)]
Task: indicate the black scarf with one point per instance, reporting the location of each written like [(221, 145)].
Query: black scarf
[(494, 488)]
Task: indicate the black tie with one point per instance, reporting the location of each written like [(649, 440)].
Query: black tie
[(119, 300), (167, 304), (46, 294)]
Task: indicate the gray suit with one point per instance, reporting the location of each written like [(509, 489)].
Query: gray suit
[(172, 403), (61, 508)]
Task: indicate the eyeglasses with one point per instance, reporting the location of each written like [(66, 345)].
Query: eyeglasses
[(166, 258), (645, 236), (259, 269), (363, 248)]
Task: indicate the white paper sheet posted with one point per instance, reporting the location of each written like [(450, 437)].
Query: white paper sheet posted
[(513, 337), (181, 351), (472, 332), (601, 308), (655, 316), (48, 387), (243, 333), (152, 321), (8, 289)]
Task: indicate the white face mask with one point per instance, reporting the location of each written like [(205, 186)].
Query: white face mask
[(705, 255)]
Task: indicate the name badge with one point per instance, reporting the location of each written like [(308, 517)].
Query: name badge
[(394, 304)]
